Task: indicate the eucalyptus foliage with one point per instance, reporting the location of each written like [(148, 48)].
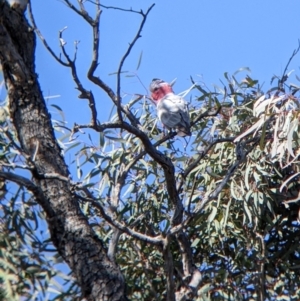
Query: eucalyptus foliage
[(244, 241), (237, 183)]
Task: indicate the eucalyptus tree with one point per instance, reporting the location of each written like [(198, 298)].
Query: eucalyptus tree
[(152, 216)]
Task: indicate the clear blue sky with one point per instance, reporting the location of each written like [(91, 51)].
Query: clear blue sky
[(180, 39)]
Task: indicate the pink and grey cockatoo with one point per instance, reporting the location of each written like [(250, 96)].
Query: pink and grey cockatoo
[(172, 109)]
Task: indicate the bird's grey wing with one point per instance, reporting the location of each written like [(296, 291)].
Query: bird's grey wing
[(168, 113), (180, 107), (170, 120), (173, 113)]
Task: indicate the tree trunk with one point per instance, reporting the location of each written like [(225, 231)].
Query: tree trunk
[(98, 277)]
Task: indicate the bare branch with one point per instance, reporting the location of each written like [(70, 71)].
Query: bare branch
[(116, 98), (96, 41), (164, 161), (94, 64), (186, 292), (121, 9), (81, 12), (115, 199), (113, 244), (207, 113), (82, 8), (137, 36), (70, 63), (284, 76), (30, 186), (42, 38), (85, 94), (22, 181), (124, 228)]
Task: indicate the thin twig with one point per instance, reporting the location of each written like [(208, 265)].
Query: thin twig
[(84, 92), (121, 9), (30, 186), (42, 38), (137, 36), (82, 12), (123, 228), (82, 8), (164, 161), (283, 78), (20, 180), (98, 81), (207, 113)]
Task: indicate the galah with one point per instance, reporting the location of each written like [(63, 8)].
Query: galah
[(172, 109)]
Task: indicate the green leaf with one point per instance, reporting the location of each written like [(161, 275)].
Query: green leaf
[(140, 60), (195, 242)]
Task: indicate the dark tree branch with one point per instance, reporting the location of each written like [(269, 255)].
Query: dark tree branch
[(76, 242), (82, 8), (116, 98), (116, 224), (115, 199), (85, 94), (97, 80), (284, 76), (82, 12), (122, 9), (137, 36), (70, 64), (164, 161), (186, 253), (207, 113), (29, 185), (96, 42), (42, 38), (169, 270)]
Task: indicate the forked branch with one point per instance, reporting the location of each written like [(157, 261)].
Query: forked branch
[(137, 36)]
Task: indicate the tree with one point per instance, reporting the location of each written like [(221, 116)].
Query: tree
[(152, 217)]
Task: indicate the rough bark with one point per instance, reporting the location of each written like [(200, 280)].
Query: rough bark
[(98, 277)]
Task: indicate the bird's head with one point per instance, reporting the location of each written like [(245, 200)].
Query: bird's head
[(159, 89)]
